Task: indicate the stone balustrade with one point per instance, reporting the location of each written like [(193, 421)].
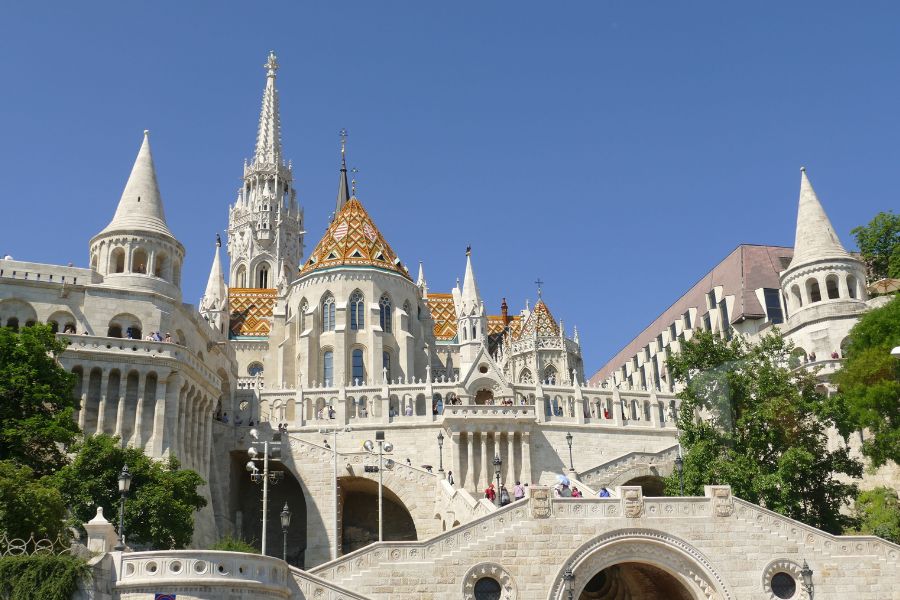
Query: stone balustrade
[(29, 271), (488, 411)]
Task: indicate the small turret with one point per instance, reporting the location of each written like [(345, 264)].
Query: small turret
[(214, 303)]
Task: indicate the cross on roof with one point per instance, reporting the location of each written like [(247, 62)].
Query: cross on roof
[(540, 285)]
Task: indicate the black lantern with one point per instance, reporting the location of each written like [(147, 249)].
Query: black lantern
[(679, 466), (440, 440), (498, 464), (569, 579), (285, 523), (569, 442), (806, 574), (124, 486)]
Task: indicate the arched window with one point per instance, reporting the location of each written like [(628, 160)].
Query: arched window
[(114, 331), (550, 375), (328, 313), (357, 367), (328, 368), (525, 376), (386, 364), (13, 323), (384, 314), (301, 317), (241, 277), (94, 260), (812, 290), (159, 265), (262, 277), (254, 369), (795, 294), (851, 285), (117, 260), (831, 287), (357, 311), (139, 261), (487, 588)]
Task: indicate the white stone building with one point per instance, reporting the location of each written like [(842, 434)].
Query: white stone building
[(341, 345)]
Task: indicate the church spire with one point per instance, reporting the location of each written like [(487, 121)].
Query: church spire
[(343, 189), (470, 298), (268, 138), (213, 303), (815, 238), (420, 280), (140, 207)]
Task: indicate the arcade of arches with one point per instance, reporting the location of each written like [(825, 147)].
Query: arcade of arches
[(359, 515), (634, 581)]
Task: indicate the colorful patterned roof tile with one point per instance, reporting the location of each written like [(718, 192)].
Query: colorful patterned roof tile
[(353, 239), (443, 313), (251, 311), (539, 320), (495, 324)]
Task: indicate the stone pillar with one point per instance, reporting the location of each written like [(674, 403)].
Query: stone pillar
[(470, 472), (526, 457), (101, 535), (101, 408), (159, 418), (455, 441), (485, 460), (82, 412), (510, 457), (120, 408), (137, 438)]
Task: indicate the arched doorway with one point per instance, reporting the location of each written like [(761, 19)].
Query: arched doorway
[(633, 581), (359, 515), (484, 396), (651, 485)]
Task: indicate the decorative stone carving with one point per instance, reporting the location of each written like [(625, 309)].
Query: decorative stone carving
[(540, 502), (723, 504), (632, 501), (508, 589)]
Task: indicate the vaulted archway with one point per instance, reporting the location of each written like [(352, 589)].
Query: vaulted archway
[(359, 515)]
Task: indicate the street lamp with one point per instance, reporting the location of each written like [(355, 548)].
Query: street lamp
[(806, 573), (569, 579), (571, 463), (382, 448), (124, 486), (285, 523), (498, 463), (266, 476), (679, 466), (337, 533), (440, 439)]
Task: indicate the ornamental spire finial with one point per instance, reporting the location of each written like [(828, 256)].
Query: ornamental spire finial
[(354, 170), (271, 64)]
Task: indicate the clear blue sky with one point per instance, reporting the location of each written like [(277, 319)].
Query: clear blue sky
[(616, 150)]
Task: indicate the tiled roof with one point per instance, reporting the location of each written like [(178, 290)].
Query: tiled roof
[(353, 239), (539, 320), (251, 310), (444, 315)]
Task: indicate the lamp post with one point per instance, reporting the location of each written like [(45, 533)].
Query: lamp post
[(569, 582), (266, 476), (571, 462), (440, 439), (337, 532), (679, 466), (806, 573), (285, 523), (124, 486), (498, 463), (382, 448)]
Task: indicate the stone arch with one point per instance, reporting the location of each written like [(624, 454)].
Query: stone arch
[(831, 287), (62, 321), (641, 472), (15, 312), (117, 260), (796, 296), (120, 325), (852, 288), (812, 290), (658, 550), (240, 276), (160, 264), (139, 260), (359, 523)]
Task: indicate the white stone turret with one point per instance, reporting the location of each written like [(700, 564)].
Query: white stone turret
[(471, 320), (823, 282), (265, 224), (214, 303), (137, 250), (421, 282)]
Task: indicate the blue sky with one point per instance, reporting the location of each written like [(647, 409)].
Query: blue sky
[(616, 150)]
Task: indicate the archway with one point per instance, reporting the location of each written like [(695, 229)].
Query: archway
[(359, 515), (651, 485), (484, 396), (634, 580)]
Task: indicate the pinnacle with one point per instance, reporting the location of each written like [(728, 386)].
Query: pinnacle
[(815, 237)]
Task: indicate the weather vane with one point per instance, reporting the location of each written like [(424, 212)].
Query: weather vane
[(540, 285)]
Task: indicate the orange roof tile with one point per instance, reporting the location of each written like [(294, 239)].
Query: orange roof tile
[(539, 320), (443, 313), (251, 310)]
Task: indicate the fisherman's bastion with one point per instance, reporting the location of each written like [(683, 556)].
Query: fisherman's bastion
[(313, 351)]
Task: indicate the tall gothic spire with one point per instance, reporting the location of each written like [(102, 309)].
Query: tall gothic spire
[(343, 189), (140, 207), (816, 238), (470, 297), (268, 138)]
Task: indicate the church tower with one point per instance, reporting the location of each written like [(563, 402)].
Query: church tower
[(265, 224), (471, 320), (137, 250), (824, 285), (214, 303)]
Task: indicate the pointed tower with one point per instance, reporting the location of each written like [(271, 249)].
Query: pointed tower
[(343, 194), (214, 303), (471, 320), (265, 224), (823, 283), (137, 250), (420, 281)]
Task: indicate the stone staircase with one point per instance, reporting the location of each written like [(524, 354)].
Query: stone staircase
[(604, 474)]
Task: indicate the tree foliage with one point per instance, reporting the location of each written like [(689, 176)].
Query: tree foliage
[(762, 431), (28, 505), (879, 245), (44, 576), (869, 381), (878, 513), (36, 402), (163, 497), (234, 544)]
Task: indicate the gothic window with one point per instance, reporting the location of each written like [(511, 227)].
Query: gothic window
[(525, 376), (357, 311), (328, 368), (241, 277), (384, 309), (301, 317), (262, 280), (357, 365), (94, 260), (550, 375), (812, 290), (386, 364), (831, 286), (139, 261), (176, 274), (328, 313)]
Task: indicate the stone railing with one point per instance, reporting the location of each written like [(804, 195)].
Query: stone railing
[(176, 570), (313, 587), (29, 271), (603, 474), (489, 411), (462, 504), (438, 546)]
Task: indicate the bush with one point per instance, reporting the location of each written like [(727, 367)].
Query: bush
[(233, 544), (44, 576)]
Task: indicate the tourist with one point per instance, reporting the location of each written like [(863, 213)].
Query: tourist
[(518, 491), (504, 495), (490, 493), (168, 339), (238, 420), (450, 477), (409, 411), (604, 493), (326, 444), (575, 492), (225, 418)]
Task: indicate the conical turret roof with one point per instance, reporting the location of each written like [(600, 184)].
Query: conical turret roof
[(815, 238), (541, 321), (140, 207), (352, 239), (216, 292)]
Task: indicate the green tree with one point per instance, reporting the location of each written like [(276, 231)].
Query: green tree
[(879, 245), (36, 402), (234, 544), (29, 505), (161, 503), (878, 513), (762, 431), (869, 381)]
